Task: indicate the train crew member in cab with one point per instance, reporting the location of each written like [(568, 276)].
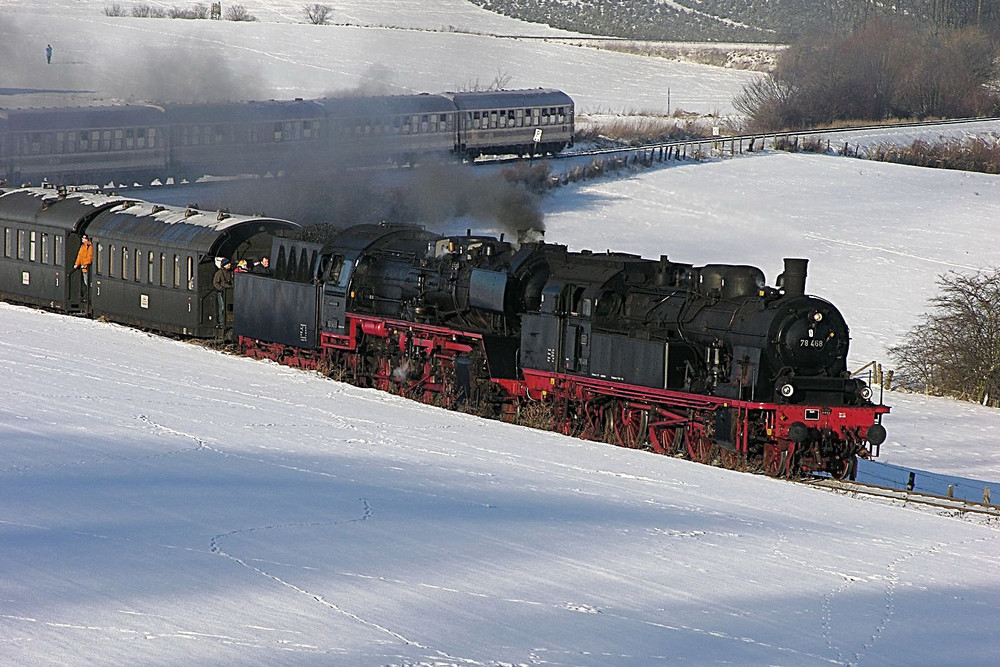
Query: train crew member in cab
[(222, 282), (84, 258), (262, 267), (48, 54)]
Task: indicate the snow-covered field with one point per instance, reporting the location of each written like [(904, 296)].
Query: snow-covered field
[(164, 504), (419, 51)]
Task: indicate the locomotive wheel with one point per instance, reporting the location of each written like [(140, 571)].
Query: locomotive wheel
[(776, 460), (730, 459), (665, 439), (594, 422), (628, 424), (844, 468), (699, 446)]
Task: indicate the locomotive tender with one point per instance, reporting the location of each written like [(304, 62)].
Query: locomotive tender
[(708, 361), (145, 142)]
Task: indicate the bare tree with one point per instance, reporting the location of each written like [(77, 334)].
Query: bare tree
[(317, 14), (955, 350)]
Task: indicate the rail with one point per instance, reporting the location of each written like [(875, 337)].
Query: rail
[(906, 496)]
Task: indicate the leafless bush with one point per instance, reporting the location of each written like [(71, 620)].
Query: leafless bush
[(317, 14), (974, 154), (955, 350), (198, 11), (639, 130), (145, 11), (238, 13), (499, 82), (114, 9)]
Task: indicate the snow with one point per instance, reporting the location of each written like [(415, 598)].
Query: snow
[(162, 503), (163, 59)]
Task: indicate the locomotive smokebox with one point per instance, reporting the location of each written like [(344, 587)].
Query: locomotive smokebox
[(793, 280)]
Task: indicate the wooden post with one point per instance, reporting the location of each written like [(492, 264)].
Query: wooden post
[(910, 481), (986, 495), (951, 490)]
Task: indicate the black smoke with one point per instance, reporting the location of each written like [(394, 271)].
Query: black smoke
[(439, 197)]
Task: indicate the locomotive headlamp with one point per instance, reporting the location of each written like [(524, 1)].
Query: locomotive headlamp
[(866, 393), (817, 316), (787, 390)]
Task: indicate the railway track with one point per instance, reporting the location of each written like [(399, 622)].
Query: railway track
[(733, 144), (905, 497)]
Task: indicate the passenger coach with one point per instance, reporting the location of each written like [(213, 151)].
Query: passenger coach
[(153, 265)]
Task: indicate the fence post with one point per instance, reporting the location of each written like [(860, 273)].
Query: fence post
[(910, 481), (986, 495), (951, 490)]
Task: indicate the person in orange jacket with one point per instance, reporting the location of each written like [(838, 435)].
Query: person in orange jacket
[(84, 258)]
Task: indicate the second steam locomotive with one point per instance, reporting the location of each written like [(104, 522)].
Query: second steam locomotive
[(706, 361)]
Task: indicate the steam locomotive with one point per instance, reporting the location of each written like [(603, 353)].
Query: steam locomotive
[(707, 362), (145, 142)]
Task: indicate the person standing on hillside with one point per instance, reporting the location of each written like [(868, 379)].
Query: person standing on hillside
[(84, 258), (48, 54)]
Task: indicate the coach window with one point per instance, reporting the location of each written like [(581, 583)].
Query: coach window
[(59, 251), (177, 271), (137, 273), (21, 240), (129, 139), (46, 255), (7, 242), (190, 273), (502, 121), (111, 261), (32, 247), (124, 263), (106, 140), (277, 131), (98, 256), (119, 138), (163, 270), (149, 267)]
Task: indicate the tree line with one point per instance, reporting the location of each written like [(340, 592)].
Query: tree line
[(888, 68)]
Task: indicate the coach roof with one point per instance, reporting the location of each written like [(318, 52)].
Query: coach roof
[(154, 225)]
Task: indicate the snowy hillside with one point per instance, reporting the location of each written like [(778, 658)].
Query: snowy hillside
[(420, 49), (165, 504)]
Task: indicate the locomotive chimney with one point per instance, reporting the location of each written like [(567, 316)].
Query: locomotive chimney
[(793, 280), (525, 236)]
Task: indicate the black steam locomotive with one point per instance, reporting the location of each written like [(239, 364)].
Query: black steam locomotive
[(146, 142), (705, 361)]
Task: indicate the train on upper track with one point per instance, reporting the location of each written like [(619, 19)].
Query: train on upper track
[(704, 361), (140, 143)]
